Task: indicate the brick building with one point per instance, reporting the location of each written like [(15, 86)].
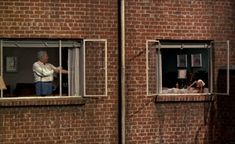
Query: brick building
[(159, 118)]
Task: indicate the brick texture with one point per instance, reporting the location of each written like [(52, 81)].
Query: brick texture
[(173, 120), (63, 121), (176, 119), (95, 68)]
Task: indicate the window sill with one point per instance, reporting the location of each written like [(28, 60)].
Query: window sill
[(184, 98), (42, 101)]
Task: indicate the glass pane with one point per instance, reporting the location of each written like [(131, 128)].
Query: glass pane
[(220, 61), (152, 68), (95, 68)]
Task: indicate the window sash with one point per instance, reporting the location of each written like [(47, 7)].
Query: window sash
[(214, 66), (152, 58), (85, 88)]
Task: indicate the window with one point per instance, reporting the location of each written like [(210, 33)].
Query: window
[(85, 60), (187, 67)]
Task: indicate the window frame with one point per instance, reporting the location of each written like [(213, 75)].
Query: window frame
[(105, 67), (227, 68), (60, 45), (147, 67), (159, 70)]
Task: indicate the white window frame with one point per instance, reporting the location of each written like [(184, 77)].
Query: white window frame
[(59, 44), (147, 68), (105, 67), (227, 68), (159, 72)]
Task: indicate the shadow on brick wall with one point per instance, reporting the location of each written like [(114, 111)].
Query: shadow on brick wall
[(222, 113)]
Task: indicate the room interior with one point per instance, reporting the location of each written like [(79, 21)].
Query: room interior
[(19, 81)]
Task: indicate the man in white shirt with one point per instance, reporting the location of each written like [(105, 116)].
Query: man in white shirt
[(43, 74)]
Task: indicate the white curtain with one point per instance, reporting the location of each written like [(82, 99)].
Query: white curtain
[(73, 68)]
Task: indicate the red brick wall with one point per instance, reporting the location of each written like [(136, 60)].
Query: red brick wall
[(64, 120), (95, 68), (170, 120), (224, 116), (173, 119), (58, 19), (56, 122)]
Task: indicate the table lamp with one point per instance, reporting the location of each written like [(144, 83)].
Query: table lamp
[(2, 84), (182, 74)]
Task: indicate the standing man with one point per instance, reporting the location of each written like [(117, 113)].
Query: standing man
[(43, 74)]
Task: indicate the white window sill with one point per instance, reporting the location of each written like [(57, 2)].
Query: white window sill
[(42, 101)]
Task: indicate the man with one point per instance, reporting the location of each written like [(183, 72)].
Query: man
[(43, 74)]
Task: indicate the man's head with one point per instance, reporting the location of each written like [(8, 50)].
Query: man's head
[(42, 56)]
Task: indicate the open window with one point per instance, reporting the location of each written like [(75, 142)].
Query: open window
[(187, 67), (86, 61), (95, 67), (220, 67), (153, 67)]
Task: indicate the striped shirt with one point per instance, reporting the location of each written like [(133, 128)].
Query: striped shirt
[(43, 72)]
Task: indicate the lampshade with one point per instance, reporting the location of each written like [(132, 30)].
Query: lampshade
[(2, 84), (182, 74)]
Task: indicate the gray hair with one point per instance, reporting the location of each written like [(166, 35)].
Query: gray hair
[(41, 54)]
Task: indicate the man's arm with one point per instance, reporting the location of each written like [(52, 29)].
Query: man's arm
[(59, 69)]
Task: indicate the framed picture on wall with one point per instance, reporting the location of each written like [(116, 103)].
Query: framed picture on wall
[(196, 60), (11, 64), (182, 61)]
